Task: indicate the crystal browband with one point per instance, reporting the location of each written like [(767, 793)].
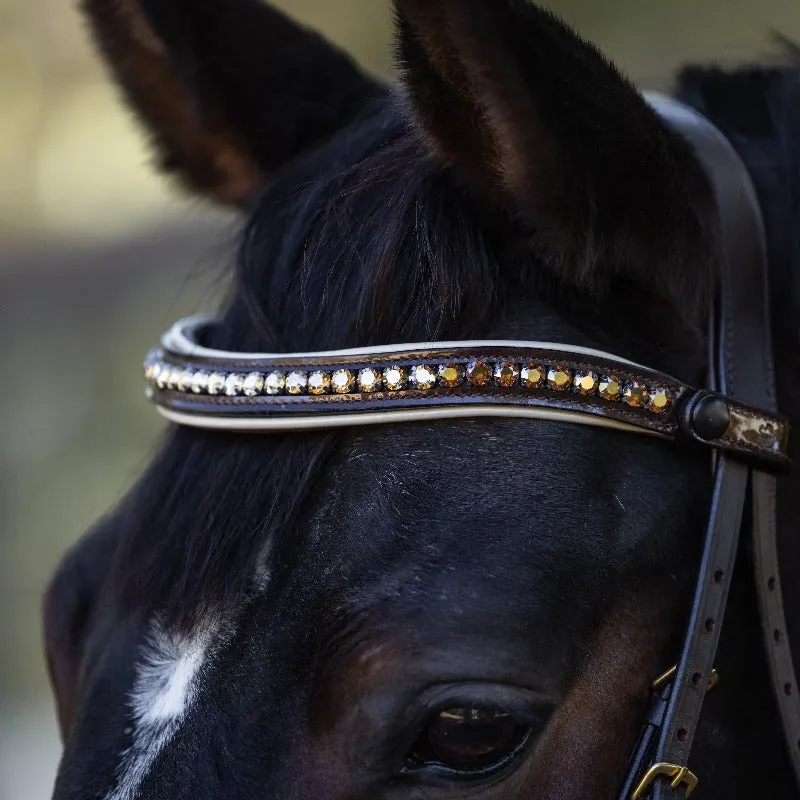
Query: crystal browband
[(200, 387)]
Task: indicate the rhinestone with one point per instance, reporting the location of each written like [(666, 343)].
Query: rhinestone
[(532, 376), (151, 370), (451, 375), (234, 384), (343, 381), (423, 377), (479, 373), (253, 384), (216, 383), (660, 401), (559, 379), (296, 382), (275, 383), (635, 394), (319, 382), (369, 380), (162, 378), (200, 382), (585, 383), (185, 380), (174, 377), (395, 379), (610, 387), (506, 374)]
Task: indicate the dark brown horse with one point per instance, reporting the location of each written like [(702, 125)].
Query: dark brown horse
[(451, 609)]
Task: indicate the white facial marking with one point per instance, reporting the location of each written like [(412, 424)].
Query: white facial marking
[(165, 686)]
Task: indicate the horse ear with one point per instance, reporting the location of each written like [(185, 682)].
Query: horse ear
[(230, 89), (70, 604), (539, 126)]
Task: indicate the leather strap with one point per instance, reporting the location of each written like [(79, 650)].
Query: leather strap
[(744, 371)]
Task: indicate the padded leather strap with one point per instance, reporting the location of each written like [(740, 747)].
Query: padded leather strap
[(745, 371)]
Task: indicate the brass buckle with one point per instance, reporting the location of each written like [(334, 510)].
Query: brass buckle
[(680, 776), (669, 676)]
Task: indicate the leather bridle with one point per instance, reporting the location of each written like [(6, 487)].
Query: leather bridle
[(736, 416)]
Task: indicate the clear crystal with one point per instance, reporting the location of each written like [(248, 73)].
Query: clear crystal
[(185, 380), (319, 382), (162, 377), (369, 380), (296, 382), (200, 383), (343, 381), (234, 384), (174, 377), (216, 383), (423, 377), (275, 383), (253, 384), (395, 379)]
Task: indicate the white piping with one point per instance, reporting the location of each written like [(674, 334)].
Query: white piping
[(326, 421), (178, 340)]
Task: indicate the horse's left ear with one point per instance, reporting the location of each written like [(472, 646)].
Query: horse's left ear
[(542, 129), (70, 608), (230, 89)]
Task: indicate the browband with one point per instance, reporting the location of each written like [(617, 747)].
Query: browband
[(260, 392)]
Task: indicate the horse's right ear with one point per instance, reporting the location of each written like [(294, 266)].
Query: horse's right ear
[(230, 89)]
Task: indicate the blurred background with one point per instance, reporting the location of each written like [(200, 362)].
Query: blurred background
[(98, 256)]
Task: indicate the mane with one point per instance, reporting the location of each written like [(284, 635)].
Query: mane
[(422, 265)]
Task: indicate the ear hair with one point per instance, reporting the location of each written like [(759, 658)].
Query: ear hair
[(230, 90), (544, 131)]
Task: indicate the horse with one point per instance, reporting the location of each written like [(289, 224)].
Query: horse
[(431, 607)]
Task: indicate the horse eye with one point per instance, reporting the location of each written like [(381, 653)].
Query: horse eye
[(470, 740)]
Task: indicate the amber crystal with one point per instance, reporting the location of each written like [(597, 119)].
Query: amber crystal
[(479, 373), (423, 377), (369, 380), (532, 376), (296, 382), (395, 379), (635, 394), (559, 379), (585, 383), (343, 381), (660, 401), (319, 382), (610, 387), (451, 375), (506, 374)]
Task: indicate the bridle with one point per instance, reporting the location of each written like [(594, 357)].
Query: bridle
[(735, 416)]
